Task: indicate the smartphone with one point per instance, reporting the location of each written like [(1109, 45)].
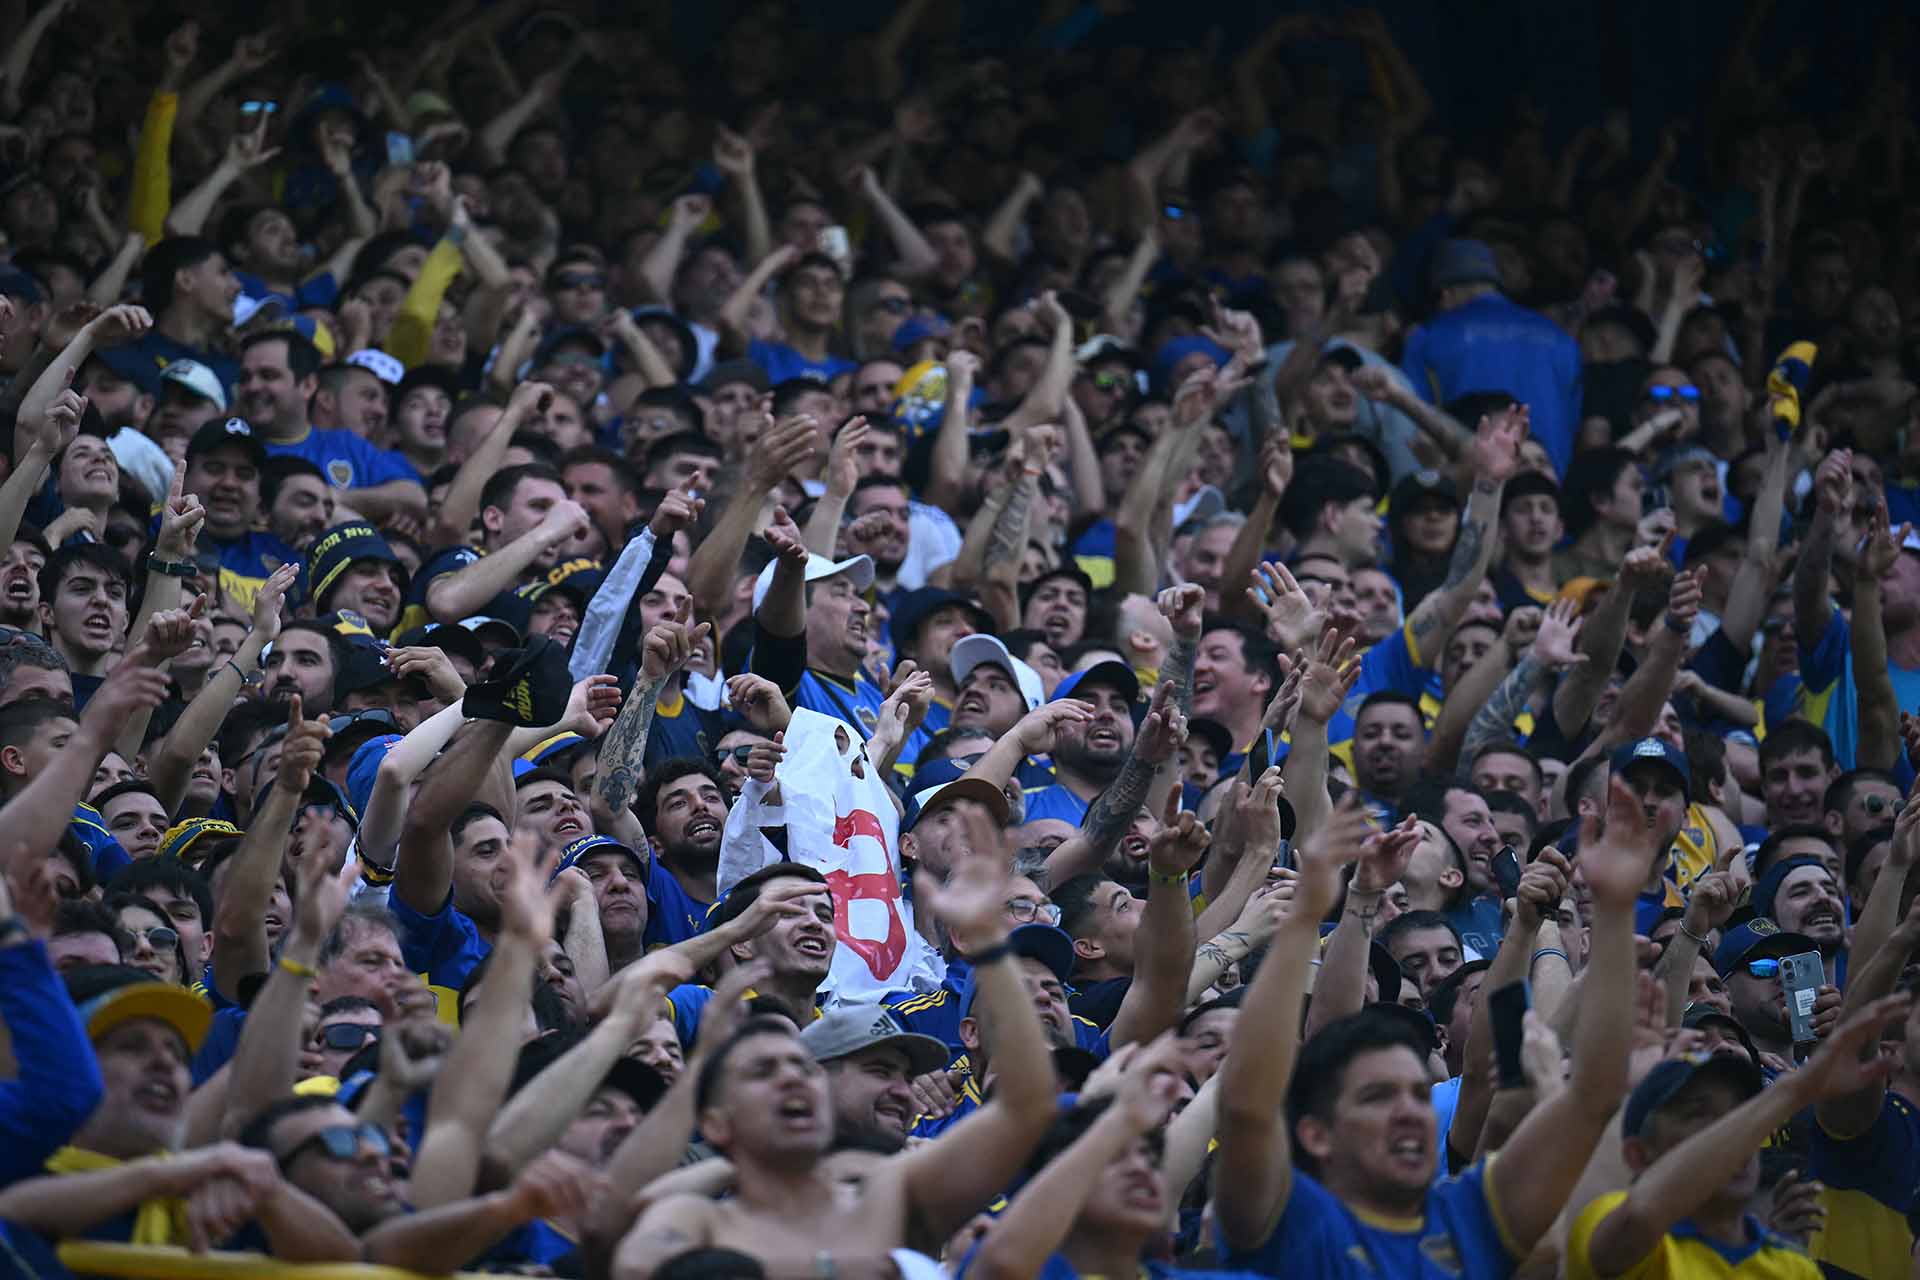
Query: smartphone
[(1507, 1009), (1259, 757), (399, 149), (1506, 871), (836, 245), (1801, 977)]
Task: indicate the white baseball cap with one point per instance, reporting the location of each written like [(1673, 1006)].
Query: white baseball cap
[(971, 651), (859, 568), (198, 379), (379, 364)]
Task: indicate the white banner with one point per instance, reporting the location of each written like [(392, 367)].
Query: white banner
[(840, 820)]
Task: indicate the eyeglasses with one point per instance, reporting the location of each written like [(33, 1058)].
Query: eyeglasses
[(1026, 911), (1877, 805), (579, 280), (159, 937), (1110, 382), (1664, 393), (893, 306), (1762, 968), (340, 1142), (739, 755), (348, 1036)]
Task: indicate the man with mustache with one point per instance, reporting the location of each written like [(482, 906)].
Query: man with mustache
[(1087, 757), (302, 661)]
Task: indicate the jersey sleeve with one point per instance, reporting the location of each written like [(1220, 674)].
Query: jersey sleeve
[(381, 466), (1578, 1262), (1822, 662), (445, 945), (445, 561), (781, 659)]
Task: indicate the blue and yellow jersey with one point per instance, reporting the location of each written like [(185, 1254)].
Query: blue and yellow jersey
[(1394, 663), (89, 827), (673, 914), (1459, 1233), (1684, 1254), (345, 459), (681, 730), (1695, 849), (1872, 1182), (445, 947)]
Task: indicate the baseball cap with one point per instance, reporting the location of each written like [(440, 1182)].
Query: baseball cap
[(183, 835), (728, 372), (859, 568), (1104, 346), (1667, 1079), (918, 328), (364, 666), (451, 639), (1425, 483), (587, 846), (198, 379), (940, 784), (336, 549), (1657, 752), (364, 767), (916, 606), (565, 335), (237, 432), (849, 1028), (971, 651), (1700, 1015), (1463, 262), (1758, 934), (349, 729), (379, 364), (1051, 945), (188, 1014), (1108, 672), (502, 631)]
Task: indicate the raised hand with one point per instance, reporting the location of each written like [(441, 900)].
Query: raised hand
[(1177, 847), (1293, 617), (1384, 857), (678, 510), (592, 705), (760, 701), (1881, 550), (1836, 1068), (1683, 599), (783, 535), (61, 423), (553, 1185), (1541, 1058), (1833, 483), (1338, 841), (131, 688), (1710, 901), (1617, 852), (1039, 730), (170, 631), (1495, 451), (909, 697), (248, 148), (1645, 565), (1542, 885), (322, 898), (1373, 382), (1276, 465), (668, 647), (1163, 731), (268, 601), (1257, 812), (433, 667), (691, 210), (843, 462), (526, 906), (565, 521), (1327, 676), (763, 761), (301, 749), (972, 900), (529, 400), (1556, 643), (180, 520), (1150, 1085), (1182, 606)]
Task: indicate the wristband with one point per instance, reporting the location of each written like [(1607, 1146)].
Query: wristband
[(1157, 877), (297, 969), (237, 671), (1549, 951), (992, 954), (172, 568)]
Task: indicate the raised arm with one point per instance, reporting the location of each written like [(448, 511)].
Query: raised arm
[(913, 256), (498, 133), (1541, 1163), (239, 916), (947, 474), (1648, 688), (245, 151), (734, 311), (1340, 988), (467, 590), (949, 1180), (781, 450), (1495, 454), (662, 262), (1163, 954), (110, 328), (13, 73), (666, 649), (1605, 633), (470, 1091), (453, 521), (423, 873), (1878, 746), (1045, 399), (1680, 1182), (1752, 591), (1812, 599), (1553, 650), (46, 440), (998, 235)]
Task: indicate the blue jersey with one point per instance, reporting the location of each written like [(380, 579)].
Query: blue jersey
[(681, 731), (673, 914), (319, 291), (1056, 1267), (1458, 1236), (1395, 664), (1055, 802), (90, 829), (141, 362), (445, 946), (1832, 700), (347, 461), (1872, 1183), (508, 606), (782, 362)]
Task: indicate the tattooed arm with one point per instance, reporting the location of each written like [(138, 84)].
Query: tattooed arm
[(1441, 611), (1153, 748), (623, 748), (1006, 541), (1494, 721)]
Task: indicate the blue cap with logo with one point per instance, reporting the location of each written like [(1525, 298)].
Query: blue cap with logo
[(1654, 751), (1757, 934), (586, 846), (1666, 1080)]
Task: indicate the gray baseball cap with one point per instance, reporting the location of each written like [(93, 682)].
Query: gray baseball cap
[(849, 1028)]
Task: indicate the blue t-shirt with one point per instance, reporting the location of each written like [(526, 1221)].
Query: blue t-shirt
[(782, 362), (673, 914), (141, 361), (445, 946), (90, 829), (345, 459), (1493, 344), (508, 606), (1458, 1236), (1055, 802), (320, 291), (1872, 1184)]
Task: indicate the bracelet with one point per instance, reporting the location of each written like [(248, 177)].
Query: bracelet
[(1158, 877), (1691, 935), (1549, 951), (237, 671), (297, 969), (990, 955)]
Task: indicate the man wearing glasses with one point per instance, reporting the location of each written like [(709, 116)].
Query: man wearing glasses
[(1748, 961), (347, 1025)]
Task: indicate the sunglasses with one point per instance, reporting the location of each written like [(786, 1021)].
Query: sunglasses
[(737, 754), (1663, 393), (159, 937), (347, 1036), (340, 1142), (1762, 968), (579, 280), (1110, 382), (1877, 805)]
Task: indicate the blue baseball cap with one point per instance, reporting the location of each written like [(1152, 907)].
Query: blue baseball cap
[(1757, 934), (1049, 944), (1654, 751), (587, 846), (1671, 1076), (1108, 672)]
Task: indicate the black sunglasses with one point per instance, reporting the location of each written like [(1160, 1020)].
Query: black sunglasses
[(739, 755), (348, 1036), (579, 280), (339, 1142)]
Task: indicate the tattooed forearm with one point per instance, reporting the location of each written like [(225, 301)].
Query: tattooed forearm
[(1112, 810), (623, 751), (1008, 537), (1176, 673), (1494, 721)]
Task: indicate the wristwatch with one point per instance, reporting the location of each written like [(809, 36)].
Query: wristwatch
[(172, 568)]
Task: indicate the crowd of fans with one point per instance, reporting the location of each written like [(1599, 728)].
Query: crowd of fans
[(858, 657)]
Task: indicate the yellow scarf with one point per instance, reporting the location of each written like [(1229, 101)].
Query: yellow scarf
[(155, 1222)]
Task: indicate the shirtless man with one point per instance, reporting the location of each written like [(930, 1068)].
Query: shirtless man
[(764, 1103)]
